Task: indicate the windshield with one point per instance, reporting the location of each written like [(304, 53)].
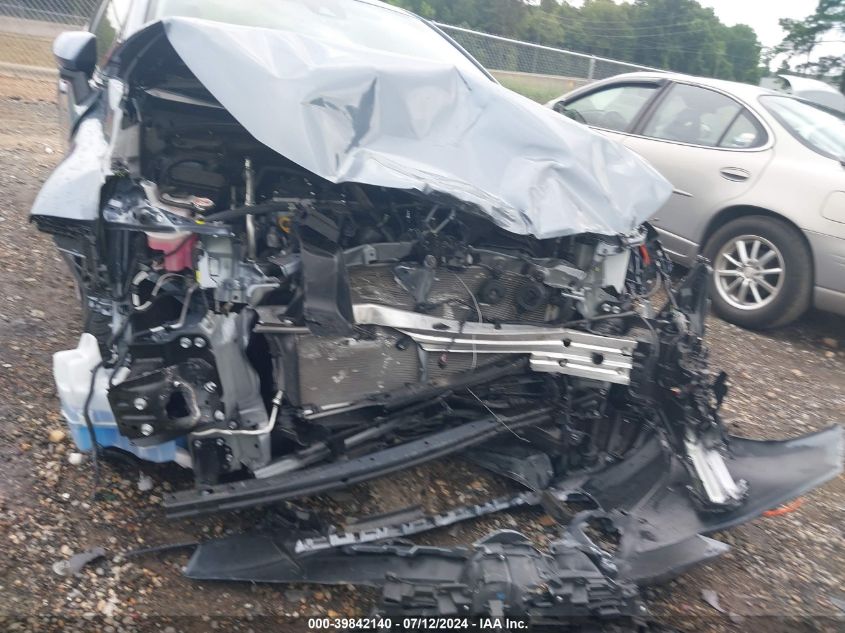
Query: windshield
[(345, 22), (817, 128)]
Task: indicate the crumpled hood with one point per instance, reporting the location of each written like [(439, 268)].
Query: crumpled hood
[(352, 114)]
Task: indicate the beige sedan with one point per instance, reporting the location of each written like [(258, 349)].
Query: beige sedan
[(759, 185)]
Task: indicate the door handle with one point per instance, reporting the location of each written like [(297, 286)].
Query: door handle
[(734, 174)]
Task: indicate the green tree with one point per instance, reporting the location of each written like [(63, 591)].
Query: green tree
[(605, 29), (542, 25), (803, 36), (744, 52), (677, 35)]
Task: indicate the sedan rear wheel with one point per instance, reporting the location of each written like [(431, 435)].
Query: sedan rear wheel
[(762, 272), (749, 272)]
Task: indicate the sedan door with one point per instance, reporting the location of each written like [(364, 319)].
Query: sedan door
[(710, 147)]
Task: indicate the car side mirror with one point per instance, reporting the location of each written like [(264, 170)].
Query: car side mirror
[(76, 56), (560, 108)]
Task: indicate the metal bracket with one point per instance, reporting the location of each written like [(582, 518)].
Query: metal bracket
[(553, 350)]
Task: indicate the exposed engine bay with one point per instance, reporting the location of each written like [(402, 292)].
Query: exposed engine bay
[(283, 335), (275, 321)]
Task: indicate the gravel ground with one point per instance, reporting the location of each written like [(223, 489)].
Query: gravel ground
[(785, 573)]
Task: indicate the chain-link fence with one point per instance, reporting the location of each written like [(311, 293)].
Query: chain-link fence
[(28, 27), (540, 72)]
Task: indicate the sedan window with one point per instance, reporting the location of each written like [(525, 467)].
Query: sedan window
[(743, 133), (818, 128), (613, 108), (694, 115)]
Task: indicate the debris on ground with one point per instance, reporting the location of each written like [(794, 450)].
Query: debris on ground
[(712, 598), (145, 483), (75, 564), (830, 342)]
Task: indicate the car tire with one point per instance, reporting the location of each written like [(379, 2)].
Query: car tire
[(762, 272)]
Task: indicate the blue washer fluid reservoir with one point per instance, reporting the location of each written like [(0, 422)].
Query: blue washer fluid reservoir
[(72, 372)]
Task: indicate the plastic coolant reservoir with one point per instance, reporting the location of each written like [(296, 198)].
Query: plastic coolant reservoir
[(72, 372), (177, 247)]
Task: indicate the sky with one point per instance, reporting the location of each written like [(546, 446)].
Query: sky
[(763, 16)]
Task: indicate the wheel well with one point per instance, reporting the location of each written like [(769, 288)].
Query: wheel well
[(732, 213)]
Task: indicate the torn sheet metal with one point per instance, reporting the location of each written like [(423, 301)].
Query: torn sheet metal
[(364, 115)]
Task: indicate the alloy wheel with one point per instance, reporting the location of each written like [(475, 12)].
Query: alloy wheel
[(749, 272)]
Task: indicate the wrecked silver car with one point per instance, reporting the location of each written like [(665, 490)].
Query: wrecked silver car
[(317, 244)]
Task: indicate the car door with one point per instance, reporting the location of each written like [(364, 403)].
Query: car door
[(710, 147), (612, 109)]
